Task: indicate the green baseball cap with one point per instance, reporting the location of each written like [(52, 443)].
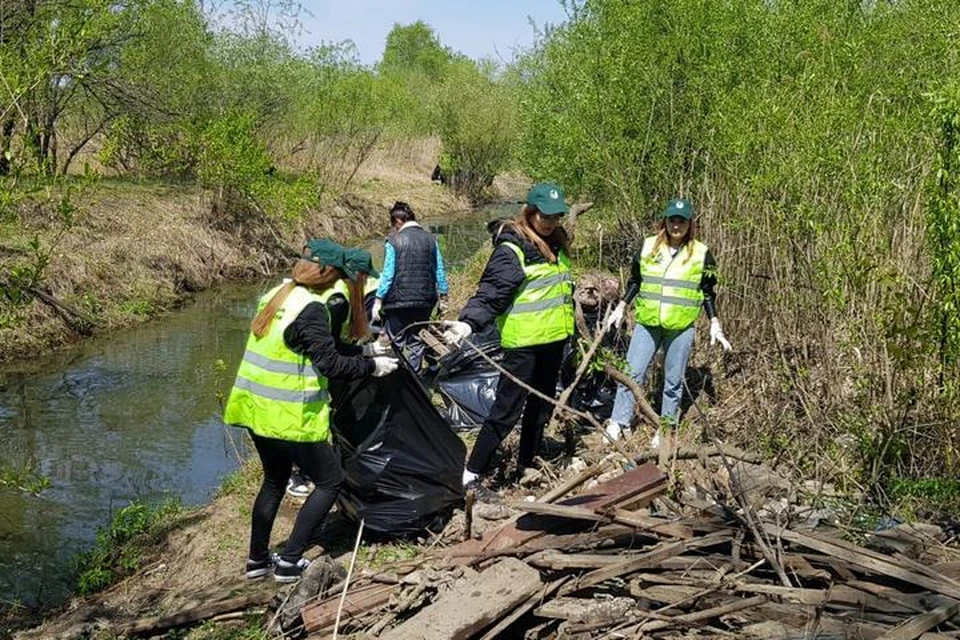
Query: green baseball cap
[(680, 208), (328, 253), (547, 197), (360, 261)]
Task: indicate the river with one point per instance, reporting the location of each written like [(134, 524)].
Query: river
[(131, 416)]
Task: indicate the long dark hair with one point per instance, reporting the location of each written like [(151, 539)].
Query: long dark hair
[(359, 325)]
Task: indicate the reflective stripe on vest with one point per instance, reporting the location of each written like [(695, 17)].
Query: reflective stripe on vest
[(670, 295), (542, 309), (277, 393)]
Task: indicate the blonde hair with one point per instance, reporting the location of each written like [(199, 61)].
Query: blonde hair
[(524, 225), (688, 238), (305, 274)]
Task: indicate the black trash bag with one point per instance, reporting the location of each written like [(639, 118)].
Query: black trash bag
[(403, 464), (467, 382)]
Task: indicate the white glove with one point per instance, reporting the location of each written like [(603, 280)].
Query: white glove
[(376, 348), (382, 365), (456, 332), (716, 334), (616, 316), (375, 312)]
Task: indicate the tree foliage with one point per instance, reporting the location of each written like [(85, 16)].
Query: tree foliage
[(802, 131)]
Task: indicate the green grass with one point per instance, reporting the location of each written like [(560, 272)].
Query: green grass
[(121, 546)]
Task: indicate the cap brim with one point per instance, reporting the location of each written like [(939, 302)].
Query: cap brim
[(553, 208)]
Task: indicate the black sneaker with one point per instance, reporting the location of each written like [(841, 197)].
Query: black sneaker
[(260, 568), (482, 493), (289, 571)]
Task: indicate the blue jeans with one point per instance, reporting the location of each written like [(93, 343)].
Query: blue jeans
[(676, 344)]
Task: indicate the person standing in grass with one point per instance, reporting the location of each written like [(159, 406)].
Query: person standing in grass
[(671, 278), (280, 395), (527, 289), (411, 283)]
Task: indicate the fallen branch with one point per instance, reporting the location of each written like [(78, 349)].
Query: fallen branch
[(640, 406), (156, 624)]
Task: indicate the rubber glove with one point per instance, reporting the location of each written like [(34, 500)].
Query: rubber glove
[(456, 332), (616, 316), (377, 305), (376, 348), (382, 365), (716, 335)]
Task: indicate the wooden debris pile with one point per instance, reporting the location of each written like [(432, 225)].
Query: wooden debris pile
[(602, 564)]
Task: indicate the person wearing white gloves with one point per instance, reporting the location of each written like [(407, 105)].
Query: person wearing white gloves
[(281, 396), (671, 278), (527, 289)]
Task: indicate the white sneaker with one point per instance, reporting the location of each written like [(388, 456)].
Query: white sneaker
[(655, 440), (613, 429)]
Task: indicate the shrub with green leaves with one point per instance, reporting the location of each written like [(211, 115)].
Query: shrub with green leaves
[(120, 547)]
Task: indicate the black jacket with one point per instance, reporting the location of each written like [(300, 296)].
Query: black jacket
[(501, 278), (415, 275), (310, 335), (708, 282)]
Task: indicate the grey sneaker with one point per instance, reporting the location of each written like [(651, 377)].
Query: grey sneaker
[(260, 568), (289, 571)]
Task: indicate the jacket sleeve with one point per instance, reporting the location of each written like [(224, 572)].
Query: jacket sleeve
[(501, 278), (633, 284), (310, 335), (708, 282), (386, 274), (442, 286)]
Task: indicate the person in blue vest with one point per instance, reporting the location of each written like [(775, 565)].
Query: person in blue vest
[(527, 289), (281, 396), (412, 281), (672, 277)]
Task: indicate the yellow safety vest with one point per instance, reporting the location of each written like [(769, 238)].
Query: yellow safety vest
[(278, 393), (670, 295), (542, 309)]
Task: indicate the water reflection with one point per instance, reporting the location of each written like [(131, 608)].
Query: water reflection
[(132, 417)]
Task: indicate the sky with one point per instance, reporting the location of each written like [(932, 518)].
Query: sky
[(476, 28)]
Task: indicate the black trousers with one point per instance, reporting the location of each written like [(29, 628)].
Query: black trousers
[(538, 367), (397, 321), (320, 462)]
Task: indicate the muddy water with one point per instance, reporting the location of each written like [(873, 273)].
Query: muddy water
[(132, 417)]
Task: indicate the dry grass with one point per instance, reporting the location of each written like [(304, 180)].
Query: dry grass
[(139, 249)]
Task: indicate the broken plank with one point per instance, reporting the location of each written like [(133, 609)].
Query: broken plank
[(321, 614), (645, 560), (585, 610), (519, 612), (472, 605), (918, 625), (866, 559)]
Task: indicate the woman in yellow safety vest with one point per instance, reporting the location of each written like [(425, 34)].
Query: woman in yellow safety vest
[(671, 278), (348, 307), (527, 289), (280, 395)]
